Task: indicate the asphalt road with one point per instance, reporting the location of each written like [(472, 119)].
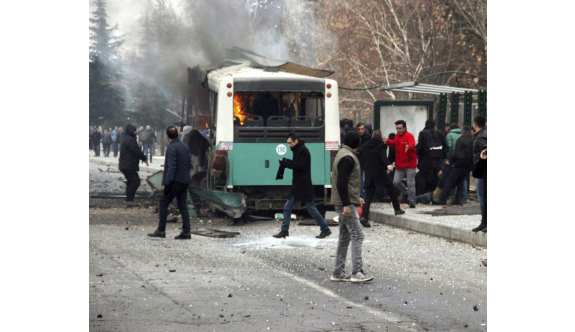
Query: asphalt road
[(258, 283)]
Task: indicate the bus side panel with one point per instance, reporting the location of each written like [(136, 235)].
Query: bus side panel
[(248, 164)]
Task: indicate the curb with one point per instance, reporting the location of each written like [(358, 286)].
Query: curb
[(431, 228)]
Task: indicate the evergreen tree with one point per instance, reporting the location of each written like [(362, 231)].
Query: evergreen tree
[(106, 90)]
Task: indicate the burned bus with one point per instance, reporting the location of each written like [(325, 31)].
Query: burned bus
[(252, 108)]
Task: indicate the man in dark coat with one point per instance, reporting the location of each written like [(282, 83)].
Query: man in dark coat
[(376, 167), (431, 152), (461, 163), (364, 137), (107, 142), (480, 144), (480, 170), (130, 154), (302, 190), (95, 137), (176, 180)]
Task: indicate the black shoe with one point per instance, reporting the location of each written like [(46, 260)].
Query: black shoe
[(324, 234), (158, 233), (183, 236), (404, 199), (434, 202), (457, 203), (398, 212), (412, 205), (364, 222), (281, 234), (131, 204), (484, 230), (479, 228)]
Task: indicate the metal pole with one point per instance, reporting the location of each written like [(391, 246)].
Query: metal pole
[(455, 107), (442, 111), (482, 100), (467, 103)]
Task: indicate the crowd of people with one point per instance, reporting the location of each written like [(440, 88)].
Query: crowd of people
[(110, 140)]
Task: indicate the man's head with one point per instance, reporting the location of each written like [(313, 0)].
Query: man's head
[(401, 127), (141, 128), (360, 129), (115, 127), (466, 131), (377, 134), (447, 128), (430, 123), (95, 129), (292, 139), (479, 122), (172, 132), (148, 127), (105, 130), (120, 129), (453, 126), (351, 139)]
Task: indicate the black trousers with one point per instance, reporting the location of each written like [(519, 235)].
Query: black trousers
[(370, 191), (455, 178), (132, 184), (106, 149), (426, 179), (97, 149), (179, 190)]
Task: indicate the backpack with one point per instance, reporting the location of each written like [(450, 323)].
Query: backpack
[(434, 147)]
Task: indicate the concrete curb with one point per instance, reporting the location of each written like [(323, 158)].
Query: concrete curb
[(431, 228)]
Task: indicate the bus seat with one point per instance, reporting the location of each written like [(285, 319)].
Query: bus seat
[(301, 121), (278, 121), (318, 121), (253, 121), (237, 121)]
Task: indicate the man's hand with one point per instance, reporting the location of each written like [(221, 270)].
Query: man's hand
[(406, 147), (447, 162), (361, 201), (281, 160), (439, 174), (145, 161), (346, 211), (384, 139), (389, 168), (483, 154)]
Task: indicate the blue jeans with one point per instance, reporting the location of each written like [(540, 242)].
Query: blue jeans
[(149, 148), (362, 192), (479, 190), (310, 208)]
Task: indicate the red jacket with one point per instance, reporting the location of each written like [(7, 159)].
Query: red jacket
[(404, 159)]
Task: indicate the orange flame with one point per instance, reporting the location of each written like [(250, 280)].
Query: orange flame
[(238, 108)]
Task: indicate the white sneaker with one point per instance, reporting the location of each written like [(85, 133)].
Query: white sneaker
[(360, 277), (341, 277)]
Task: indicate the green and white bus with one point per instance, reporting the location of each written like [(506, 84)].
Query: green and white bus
[(252, 110)]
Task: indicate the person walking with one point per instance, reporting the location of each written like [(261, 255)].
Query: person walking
[(345, 182), (364, 137), (376, 167), (148, 140), (461, 163), (405, 160), (115, 141), (176, 180), (302, 188), (140, 144), (95, 137), (130, 153), (480, 144), (107, 142)]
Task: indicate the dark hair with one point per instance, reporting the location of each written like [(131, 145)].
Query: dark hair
[(349, 123), (430, 123), (466, 130), (401, 122), (391, 136), (454, 126), (172, 132), (342, 123), (359, 124), (377, 134), (293, 136), (351, 139), (480, 121)]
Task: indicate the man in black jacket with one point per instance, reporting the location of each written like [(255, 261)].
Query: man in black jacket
[(431, 152), (95, 137), (130, 154), (461, 163), (364, 137), (376, 166), (148, 139), (302, 189), (176, 180)]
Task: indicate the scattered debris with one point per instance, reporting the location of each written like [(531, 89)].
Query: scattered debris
[(366, 298), (210, 232), (475, 308), (99, 274), (100, 316), (172, 270), (230, 295)]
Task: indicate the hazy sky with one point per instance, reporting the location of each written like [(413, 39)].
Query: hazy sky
[(126, 14)]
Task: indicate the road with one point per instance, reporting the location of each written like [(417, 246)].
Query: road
[(254, 282)]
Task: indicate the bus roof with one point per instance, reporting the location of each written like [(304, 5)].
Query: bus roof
[(245, 71)]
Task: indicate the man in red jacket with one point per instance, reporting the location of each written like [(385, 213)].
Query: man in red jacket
[(405, 160)]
